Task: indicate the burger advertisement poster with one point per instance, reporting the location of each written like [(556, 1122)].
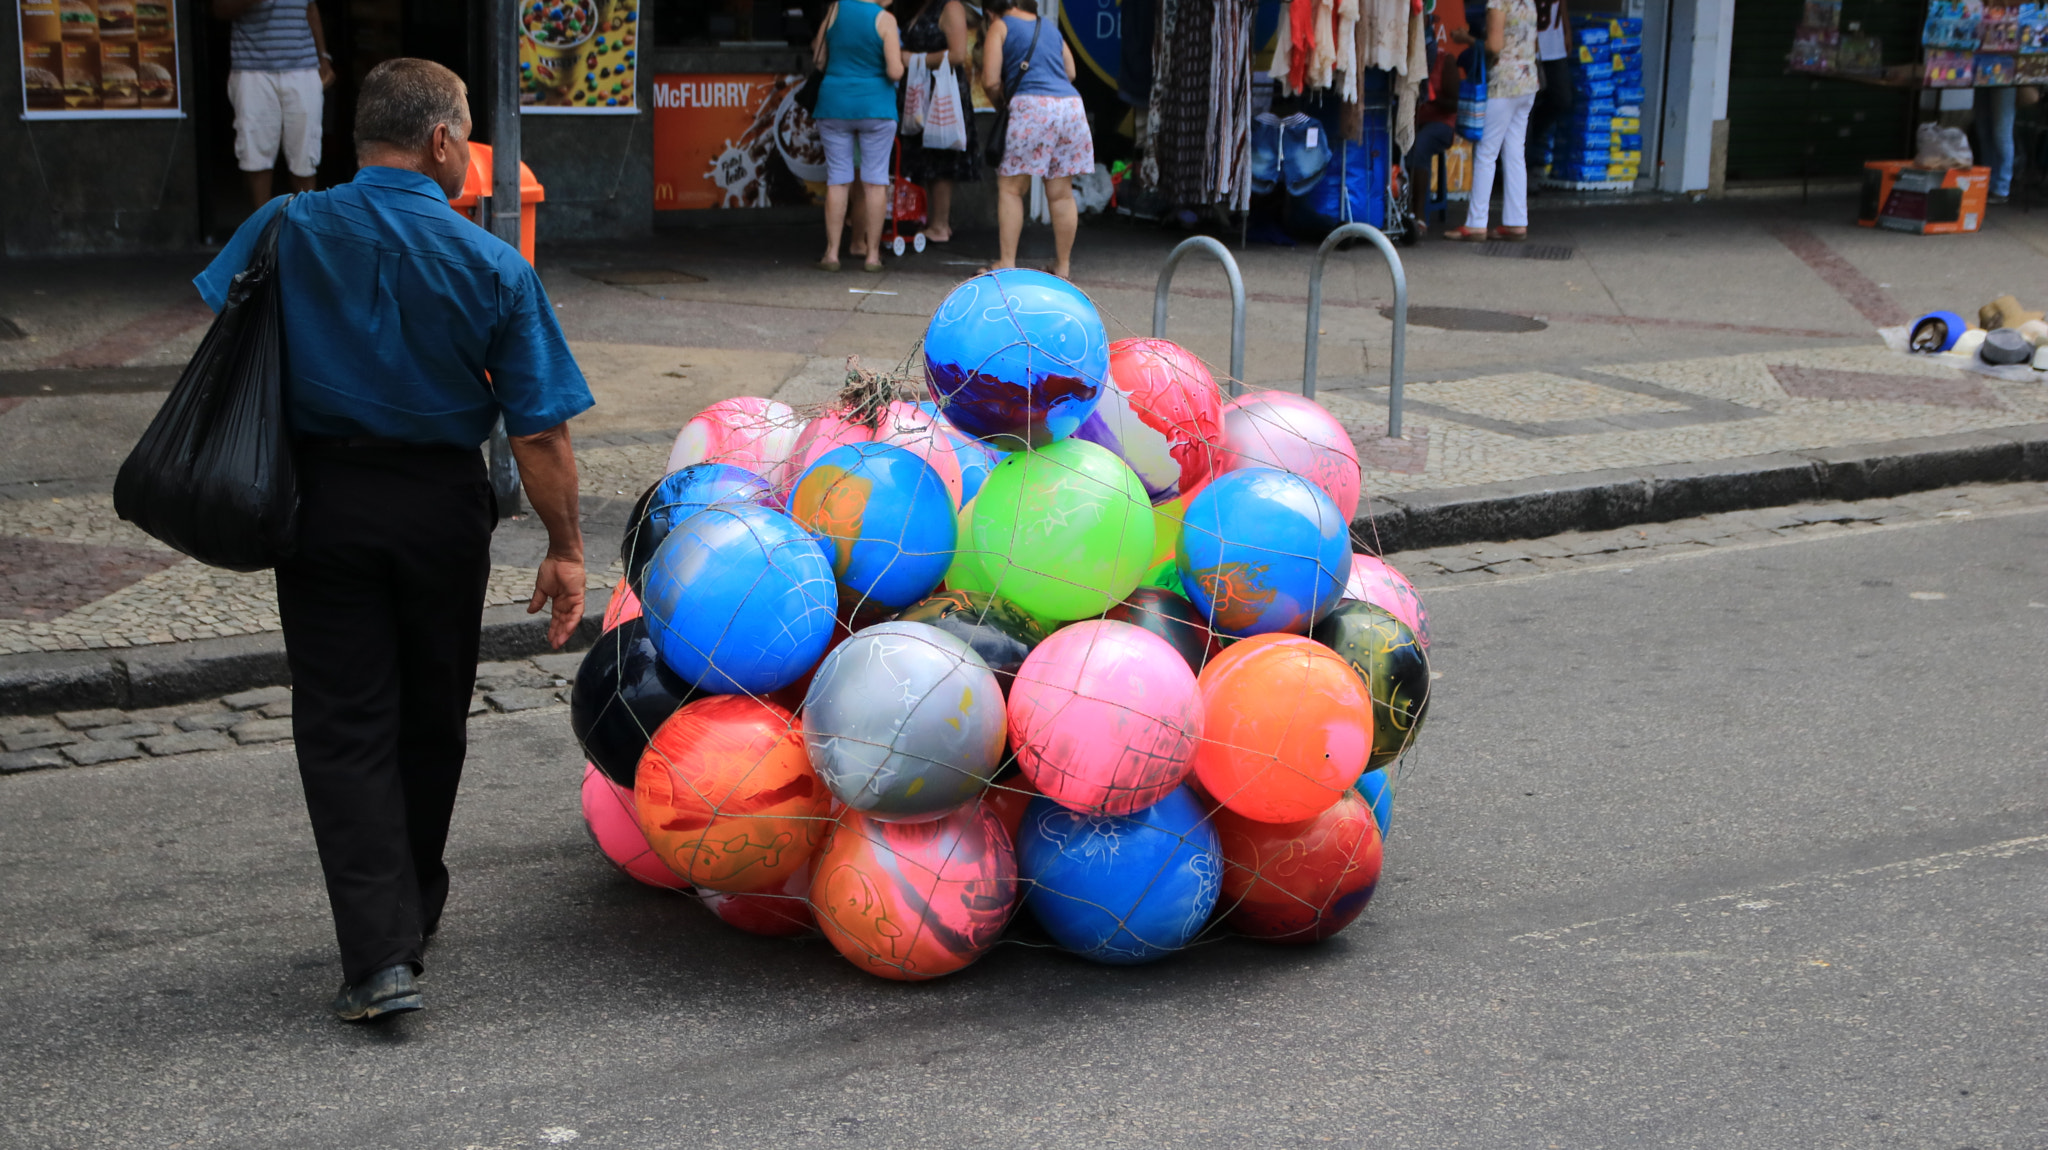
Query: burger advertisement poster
[(98, 59), (578, 56)]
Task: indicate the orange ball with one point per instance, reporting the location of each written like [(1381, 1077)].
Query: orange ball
[(1286, 728), (1300, 882), (911, 901), (727, 797)]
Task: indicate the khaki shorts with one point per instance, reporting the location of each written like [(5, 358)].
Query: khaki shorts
[(273, 111)]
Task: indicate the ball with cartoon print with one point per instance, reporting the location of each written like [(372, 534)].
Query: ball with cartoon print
[(677, 496), (1169, 615), (1373, 580), (911, 901), (1295, 434), (1063, 532), (1105, 717), (727, 798), (609, 816), (1121, 889), (784, 912), (1287, 728), (740, 600), (884, 519), (1299, 882), (1263, 551), (1017, 358), (904, 722), (1386, 654)]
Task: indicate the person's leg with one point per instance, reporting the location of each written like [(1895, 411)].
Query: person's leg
[(835, 219), (441, 569), (300, 99), (877, 145), (938, 222), (1485, 156), (1010, 192), (2001, 105), (1514, 209), (1066, 218), (339, 613), (258, 128), (1431, 141), (875, 204), (837, 137)]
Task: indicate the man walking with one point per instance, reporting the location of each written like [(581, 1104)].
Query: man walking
[(408, 331), (278, 69)]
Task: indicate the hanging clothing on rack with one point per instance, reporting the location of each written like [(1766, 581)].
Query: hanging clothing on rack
[(1199, 119)]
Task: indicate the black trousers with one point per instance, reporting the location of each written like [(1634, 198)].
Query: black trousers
[(382, 608), (1553, 103)]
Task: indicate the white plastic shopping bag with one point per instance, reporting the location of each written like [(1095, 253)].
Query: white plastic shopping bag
[(917, 95), (945, 122)]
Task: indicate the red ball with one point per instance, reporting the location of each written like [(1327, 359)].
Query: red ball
[(1299, 882), (784, 912), (727, 797)]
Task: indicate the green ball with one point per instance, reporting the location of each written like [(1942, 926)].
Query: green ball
[(1385, 654), (966, 572), (1064, 530)]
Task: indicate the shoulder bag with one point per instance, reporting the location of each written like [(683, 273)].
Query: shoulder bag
[(998, 137), (807, 92)]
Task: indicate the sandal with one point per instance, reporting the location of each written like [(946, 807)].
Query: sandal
[(828, 265), (1509, 235), (871, 268), (1466, 235)]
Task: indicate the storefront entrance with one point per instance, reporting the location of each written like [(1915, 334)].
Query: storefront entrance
[(360, 34)]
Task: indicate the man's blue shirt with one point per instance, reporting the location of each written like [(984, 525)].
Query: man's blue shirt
[(403, 320)]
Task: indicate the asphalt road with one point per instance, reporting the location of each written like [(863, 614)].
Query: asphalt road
[(1747, 850)]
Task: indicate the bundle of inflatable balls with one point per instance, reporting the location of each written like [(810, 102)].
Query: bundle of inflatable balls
[(1063, 630)]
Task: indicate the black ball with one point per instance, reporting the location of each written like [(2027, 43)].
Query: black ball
[(622, 693), (997, 630), (1172, 618)]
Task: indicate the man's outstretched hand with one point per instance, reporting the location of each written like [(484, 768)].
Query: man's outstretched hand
[(559, 584)]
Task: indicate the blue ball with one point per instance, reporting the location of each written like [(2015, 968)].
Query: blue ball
[(1263, 551), (884, 518), (681, 494), (1378, 790), (1121, 889), (740, 600), (1018, 358)]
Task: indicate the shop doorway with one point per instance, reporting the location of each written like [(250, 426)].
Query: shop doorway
[(360, 34)]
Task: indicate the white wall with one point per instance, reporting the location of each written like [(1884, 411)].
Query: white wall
[(1695, 92)]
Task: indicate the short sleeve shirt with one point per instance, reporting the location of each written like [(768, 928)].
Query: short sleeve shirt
[(273, 36), (403, 320), (1514, 73)]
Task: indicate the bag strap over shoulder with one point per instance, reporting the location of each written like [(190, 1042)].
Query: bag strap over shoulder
[(1023, 66)]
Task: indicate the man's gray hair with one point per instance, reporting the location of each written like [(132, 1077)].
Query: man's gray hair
[(403, 100)]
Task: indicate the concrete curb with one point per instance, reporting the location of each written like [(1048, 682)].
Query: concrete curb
[(137, 677), (1599, 500), (133, 678)]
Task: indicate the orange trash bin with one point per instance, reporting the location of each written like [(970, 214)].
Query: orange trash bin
[(476, 186)]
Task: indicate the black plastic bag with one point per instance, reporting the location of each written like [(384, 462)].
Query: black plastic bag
[(213, 476)]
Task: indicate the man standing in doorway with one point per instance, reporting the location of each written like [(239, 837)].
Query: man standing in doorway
[(278, 71), (408, 332)]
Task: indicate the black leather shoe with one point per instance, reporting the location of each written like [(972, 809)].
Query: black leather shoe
[(389, 991)]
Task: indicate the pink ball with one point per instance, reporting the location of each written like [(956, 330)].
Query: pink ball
[(1373, 580), (1105, 717), (1284, 431), (608, 816), (757, 434), (784, 912), (819, 436), (624, 605)]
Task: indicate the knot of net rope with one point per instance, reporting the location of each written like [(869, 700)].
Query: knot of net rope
[(867, 395)]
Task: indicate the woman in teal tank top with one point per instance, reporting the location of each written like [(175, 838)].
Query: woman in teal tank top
[(862, 55)]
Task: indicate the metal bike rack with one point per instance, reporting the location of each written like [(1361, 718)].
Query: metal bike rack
[(1315, 315), (1222, 254)]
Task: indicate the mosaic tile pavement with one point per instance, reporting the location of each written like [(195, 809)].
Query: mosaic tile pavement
[(73, 577)]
